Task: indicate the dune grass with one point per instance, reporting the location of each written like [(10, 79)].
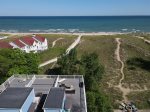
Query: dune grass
[(58, 49), (104, 46), (141, 99), (131, 47)]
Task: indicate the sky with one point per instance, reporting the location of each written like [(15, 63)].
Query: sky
[(74, 7)]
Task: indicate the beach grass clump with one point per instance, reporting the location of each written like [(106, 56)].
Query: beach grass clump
[(141, 99)]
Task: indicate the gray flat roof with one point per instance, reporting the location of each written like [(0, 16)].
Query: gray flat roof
[(18, 82), (14, 97), (43, 85), (77, 106), (55, 98)]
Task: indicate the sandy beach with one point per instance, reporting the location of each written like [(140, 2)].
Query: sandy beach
[(98, 33)]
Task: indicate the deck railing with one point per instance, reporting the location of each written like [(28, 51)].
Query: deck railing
[(6, 84)]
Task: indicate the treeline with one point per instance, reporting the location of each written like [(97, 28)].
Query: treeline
[(17, 62), (92, 70)]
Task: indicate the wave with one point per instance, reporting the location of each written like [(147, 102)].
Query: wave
[(130, 30), (57, 31), (9, 31), (124, 29)]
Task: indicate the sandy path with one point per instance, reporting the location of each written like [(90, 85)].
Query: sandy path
[(54, 42), (73, 45), (117, 53), (145, 40), (125, 91)]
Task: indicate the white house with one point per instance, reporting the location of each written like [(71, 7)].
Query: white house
[(41, 42), (33, 43)]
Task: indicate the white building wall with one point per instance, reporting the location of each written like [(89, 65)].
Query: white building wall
[(41, 45), (9, 110), (53, 110), (45, 45), (28, 102)]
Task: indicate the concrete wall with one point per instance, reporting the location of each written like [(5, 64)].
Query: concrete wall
[(28, 102)]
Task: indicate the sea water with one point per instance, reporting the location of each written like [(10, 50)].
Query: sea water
[(75, 24)]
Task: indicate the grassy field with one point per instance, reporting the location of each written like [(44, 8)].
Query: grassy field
[(4, 34), (135, 48), (131, 48), (104, 46), (142, 99), (59, 48)]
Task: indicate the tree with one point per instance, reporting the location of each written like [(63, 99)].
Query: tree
[(91, 84), (32, 63), (91, 102), (68, 63), (17, 62), (103, 103), (4, 65), (92, 70), (98, 102), (91, 66)]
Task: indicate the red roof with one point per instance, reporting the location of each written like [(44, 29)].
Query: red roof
[(40, 38), (5, 45), (18, 43), (28, 40)]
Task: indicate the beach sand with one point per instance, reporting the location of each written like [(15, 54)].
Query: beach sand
[(99, 33)]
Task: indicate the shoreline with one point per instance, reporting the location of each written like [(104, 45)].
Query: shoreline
[(69, 33), (98, 33)]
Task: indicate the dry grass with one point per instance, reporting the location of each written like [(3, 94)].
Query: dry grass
[(131, 47), (59, 48)]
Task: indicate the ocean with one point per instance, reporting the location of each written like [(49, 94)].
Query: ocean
[(74, 24)]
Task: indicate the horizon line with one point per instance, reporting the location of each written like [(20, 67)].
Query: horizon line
[(70, 15)]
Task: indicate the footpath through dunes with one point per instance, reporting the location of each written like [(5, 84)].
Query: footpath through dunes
[(119, 81), (145, 40), (125, 91), (54, 42), (73, 45)]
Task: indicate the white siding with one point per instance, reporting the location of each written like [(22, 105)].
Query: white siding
[(53, 110), (9, 110), (28, 102)]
